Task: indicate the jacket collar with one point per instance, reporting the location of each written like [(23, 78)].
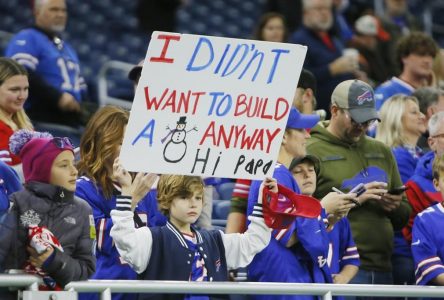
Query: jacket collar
[(180, 237), (49, 191)]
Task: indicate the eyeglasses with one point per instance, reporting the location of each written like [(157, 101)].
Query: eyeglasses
[(368, 123)]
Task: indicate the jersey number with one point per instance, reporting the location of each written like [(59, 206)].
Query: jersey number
[(64, 68)]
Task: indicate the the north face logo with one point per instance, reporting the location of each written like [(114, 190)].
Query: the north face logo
[(365, 97)]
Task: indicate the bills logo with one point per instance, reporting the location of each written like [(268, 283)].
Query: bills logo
[(365, 97)]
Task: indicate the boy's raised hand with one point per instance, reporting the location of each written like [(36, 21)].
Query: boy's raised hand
[(136, 188), (268, 183), (141, 186)]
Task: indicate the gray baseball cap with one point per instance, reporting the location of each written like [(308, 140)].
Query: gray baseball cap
[(358, 98)]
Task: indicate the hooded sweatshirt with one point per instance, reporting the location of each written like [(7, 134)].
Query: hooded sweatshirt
[(421, 193), (345, 165)]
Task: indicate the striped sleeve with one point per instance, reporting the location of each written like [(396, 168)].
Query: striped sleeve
[(349, 252), (123, 203), (242, 188), (425, 252), (257, 211), (5, 156)]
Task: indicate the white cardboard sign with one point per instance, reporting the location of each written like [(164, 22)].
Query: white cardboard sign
[(211, 106)]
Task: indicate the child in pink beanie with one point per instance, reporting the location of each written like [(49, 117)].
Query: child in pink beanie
[(48, 231)]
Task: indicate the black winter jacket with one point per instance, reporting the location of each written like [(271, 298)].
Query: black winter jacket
[(69, 218)]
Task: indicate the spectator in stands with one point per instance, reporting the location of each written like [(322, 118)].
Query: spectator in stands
[(305, 96), (305, 102), (50, 234), (13, 94), (402, 123), (416, 53), (325, 50), (99, 147), (350, 158), (421, 192), (178, 251), (344, 263), (9, 183), (398, 22), (431, 101), (299, 252), (271, 28), (56, 85), (428, 240), (371, 59)]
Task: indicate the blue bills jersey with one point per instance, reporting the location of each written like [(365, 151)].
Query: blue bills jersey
[(53, 59), (428, 244)]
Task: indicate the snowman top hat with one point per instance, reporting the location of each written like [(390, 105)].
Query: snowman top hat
[(182, 120)]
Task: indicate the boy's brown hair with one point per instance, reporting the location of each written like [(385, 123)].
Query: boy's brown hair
[(172, 186), (438, 166), (416, 43)]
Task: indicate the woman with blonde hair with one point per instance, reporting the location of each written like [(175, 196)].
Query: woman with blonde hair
[(99, 150), (402, 124), (14, 87)]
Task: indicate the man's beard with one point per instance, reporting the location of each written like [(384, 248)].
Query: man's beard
[(58, 28)]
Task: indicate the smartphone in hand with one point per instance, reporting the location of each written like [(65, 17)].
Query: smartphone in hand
[(398, 190)]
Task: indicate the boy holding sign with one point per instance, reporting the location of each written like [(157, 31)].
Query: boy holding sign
[(178, 251)]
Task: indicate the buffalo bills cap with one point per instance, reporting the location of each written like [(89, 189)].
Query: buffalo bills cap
[(296, 120), (358, 98)]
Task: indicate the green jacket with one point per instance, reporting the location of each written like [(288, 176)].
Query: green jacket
[(342, 166)]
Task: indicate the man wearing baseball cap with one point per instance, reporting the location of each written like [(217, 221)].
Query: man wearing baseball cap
[(349, 158), (285, 259)]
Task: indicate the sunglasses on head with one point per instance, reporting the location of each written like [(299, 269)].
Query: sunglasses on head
[(62, 142)]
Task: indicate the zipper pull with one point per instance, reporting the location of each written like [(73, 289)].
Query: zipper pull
[(62, 195)]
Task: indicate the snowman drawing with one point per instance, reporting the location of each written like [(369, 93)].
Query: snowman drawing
[(176, 148)]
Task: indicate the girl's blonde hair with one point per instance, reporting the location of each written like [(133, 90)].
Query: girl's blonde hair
[(172, 186), (8, 69), (390, 130), (99, 146)]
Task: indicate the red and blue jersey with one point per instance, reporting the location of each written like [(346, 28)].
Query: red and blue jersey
[(421, 192), (428, 244), (305, 262)]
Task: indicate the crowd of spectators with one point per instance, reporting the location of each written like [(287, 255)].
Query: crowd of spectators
[(365, 137)]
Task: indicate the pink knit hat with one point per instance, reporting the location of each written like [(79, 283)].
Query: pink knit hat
[(37, 150)]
